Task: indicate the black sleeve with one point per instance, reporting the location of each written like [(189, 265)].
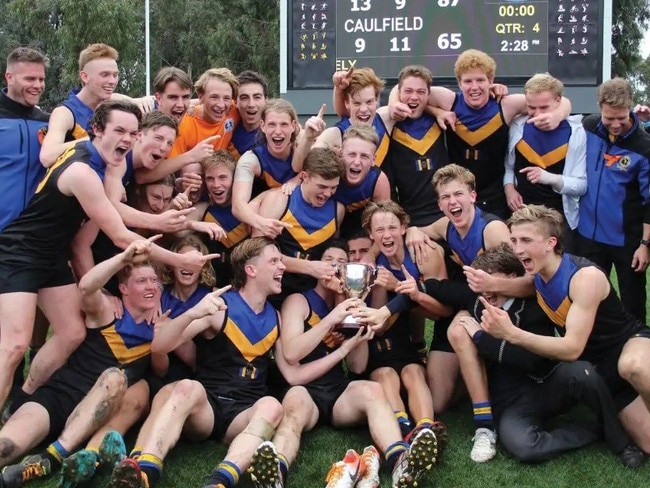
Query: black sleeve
[(457, 294), (400, 303), (503, 352)]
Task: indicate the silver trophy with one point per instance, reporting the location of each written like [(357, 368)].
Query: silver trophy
[(356, 281)]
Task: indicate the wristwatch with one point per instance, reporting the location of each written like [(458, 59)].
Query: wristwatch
[(645, 242)]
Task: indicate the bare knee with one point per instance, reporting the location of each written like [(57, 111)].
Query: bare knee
[(412, 375), (295, 400), (457, 335), (385, 376), (113, 381), (187, 392), (269, 409), (14, 352), (368, 391), (632, 367)]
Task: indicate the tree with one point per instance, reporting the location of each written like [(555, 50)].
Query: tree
[(629, 22)]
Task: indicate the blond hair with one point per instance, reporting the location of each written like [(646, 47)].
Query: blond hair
[(544, 82), (219, 158), (548, 220), (96, 51), (221, 74), (364, 132), (474, 59), (453, 172), (282, 106)]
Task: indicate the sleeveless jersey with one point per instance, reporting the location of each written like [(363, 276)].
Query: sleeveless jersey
[(45, 228), (235, 233), (416, 151), (234, 364), (547, 150), (613, 325), (318, 310), (355, 199), (243, 140), (275, 172), (81, 116), (380, 129), (177, 306), (480, 144), (466, 249)]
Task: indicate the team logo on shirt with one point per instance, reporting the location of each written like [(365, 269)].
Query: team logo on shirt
[(229, 125), (624, 163)]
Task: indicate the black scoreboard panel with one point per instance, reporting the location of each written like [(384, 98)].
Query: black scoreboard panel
[(563, 37)]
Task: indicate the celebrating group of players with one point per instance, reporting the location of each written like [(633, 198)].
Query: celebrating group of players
[(186, 255)]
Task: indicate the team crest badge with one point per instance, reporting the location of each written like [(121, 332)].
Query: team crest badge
[(228, 126), (624, 163)]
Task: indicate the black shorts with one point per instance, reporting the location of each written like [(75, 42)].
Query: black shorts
[(325, 396), (439, 340), (21, 274), (177, 371), (59, 396), (225, 410), (607, 366)]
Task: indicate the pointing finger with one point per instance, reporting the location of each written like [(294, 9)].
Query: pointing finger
[(221, 291), (212, 138), (349, 72), (209, 257), (322, 110), (154, 238)]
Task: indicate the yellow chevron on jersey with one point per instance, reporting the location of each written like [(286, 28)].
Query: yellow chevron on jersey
[(558, 315), (475, 137), (329, 340), (233, 236), (555, 156), (122, 352), (248, 350), (305, 239), (420, 146), (64, 157), (382, 150)]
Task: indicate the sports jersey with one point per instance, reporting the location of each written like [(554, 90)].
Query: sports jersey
[(274, 171), (318, 310), (81, 116), (20, 166), (175, 305), (613, 325), (466, 249), (355, 199), (235, 233), (561, 151), (617, 201), (124, 343), (244, 140), (416, 151), (380, 129), (480, 143), (234, 363), (193, 128), (43, 231), (311, 228)]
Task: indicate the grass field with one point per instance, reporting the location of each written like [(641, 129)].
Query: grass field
[(595, 467)]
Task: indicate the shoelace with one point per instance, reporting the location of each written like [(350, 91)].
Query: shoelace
[(34, 470)]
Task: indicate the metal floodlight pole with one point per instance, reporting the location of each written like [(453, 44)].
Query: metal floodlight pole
[(147, 57)]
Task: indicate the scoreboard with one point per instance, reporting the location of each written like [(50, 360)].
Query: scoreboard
[(569, 38)]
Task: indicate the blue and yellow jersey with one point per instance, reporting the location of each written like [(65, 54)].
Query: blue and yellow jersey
[(480, 144), (466, 249), (243, 140), (355, 199), (234, 363), (124, 344), (275, 172), (312, 226), (417, 150), (176, 306), (382, 133), (613, 325), (81, 114), (547, 150)]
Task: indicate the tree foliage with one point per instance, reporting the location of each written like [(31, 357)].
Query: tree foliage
[(629, 23), (191, 34)]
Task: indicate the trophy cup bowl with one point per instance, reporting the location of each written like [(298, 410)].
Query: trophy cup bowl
[(356, 281)]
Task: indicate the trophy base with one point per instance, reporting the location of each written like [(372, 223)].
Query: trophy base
[(349, 327)]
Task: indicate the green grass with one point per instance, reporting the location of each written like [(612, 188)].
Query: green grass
[(595, 467)]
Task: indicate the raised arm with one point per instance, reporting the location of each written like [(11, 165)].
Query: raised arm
[(61, 121)]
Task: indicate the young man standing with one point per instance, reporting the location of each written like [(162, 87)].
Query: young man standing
[(251, 100), (71, 120)]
